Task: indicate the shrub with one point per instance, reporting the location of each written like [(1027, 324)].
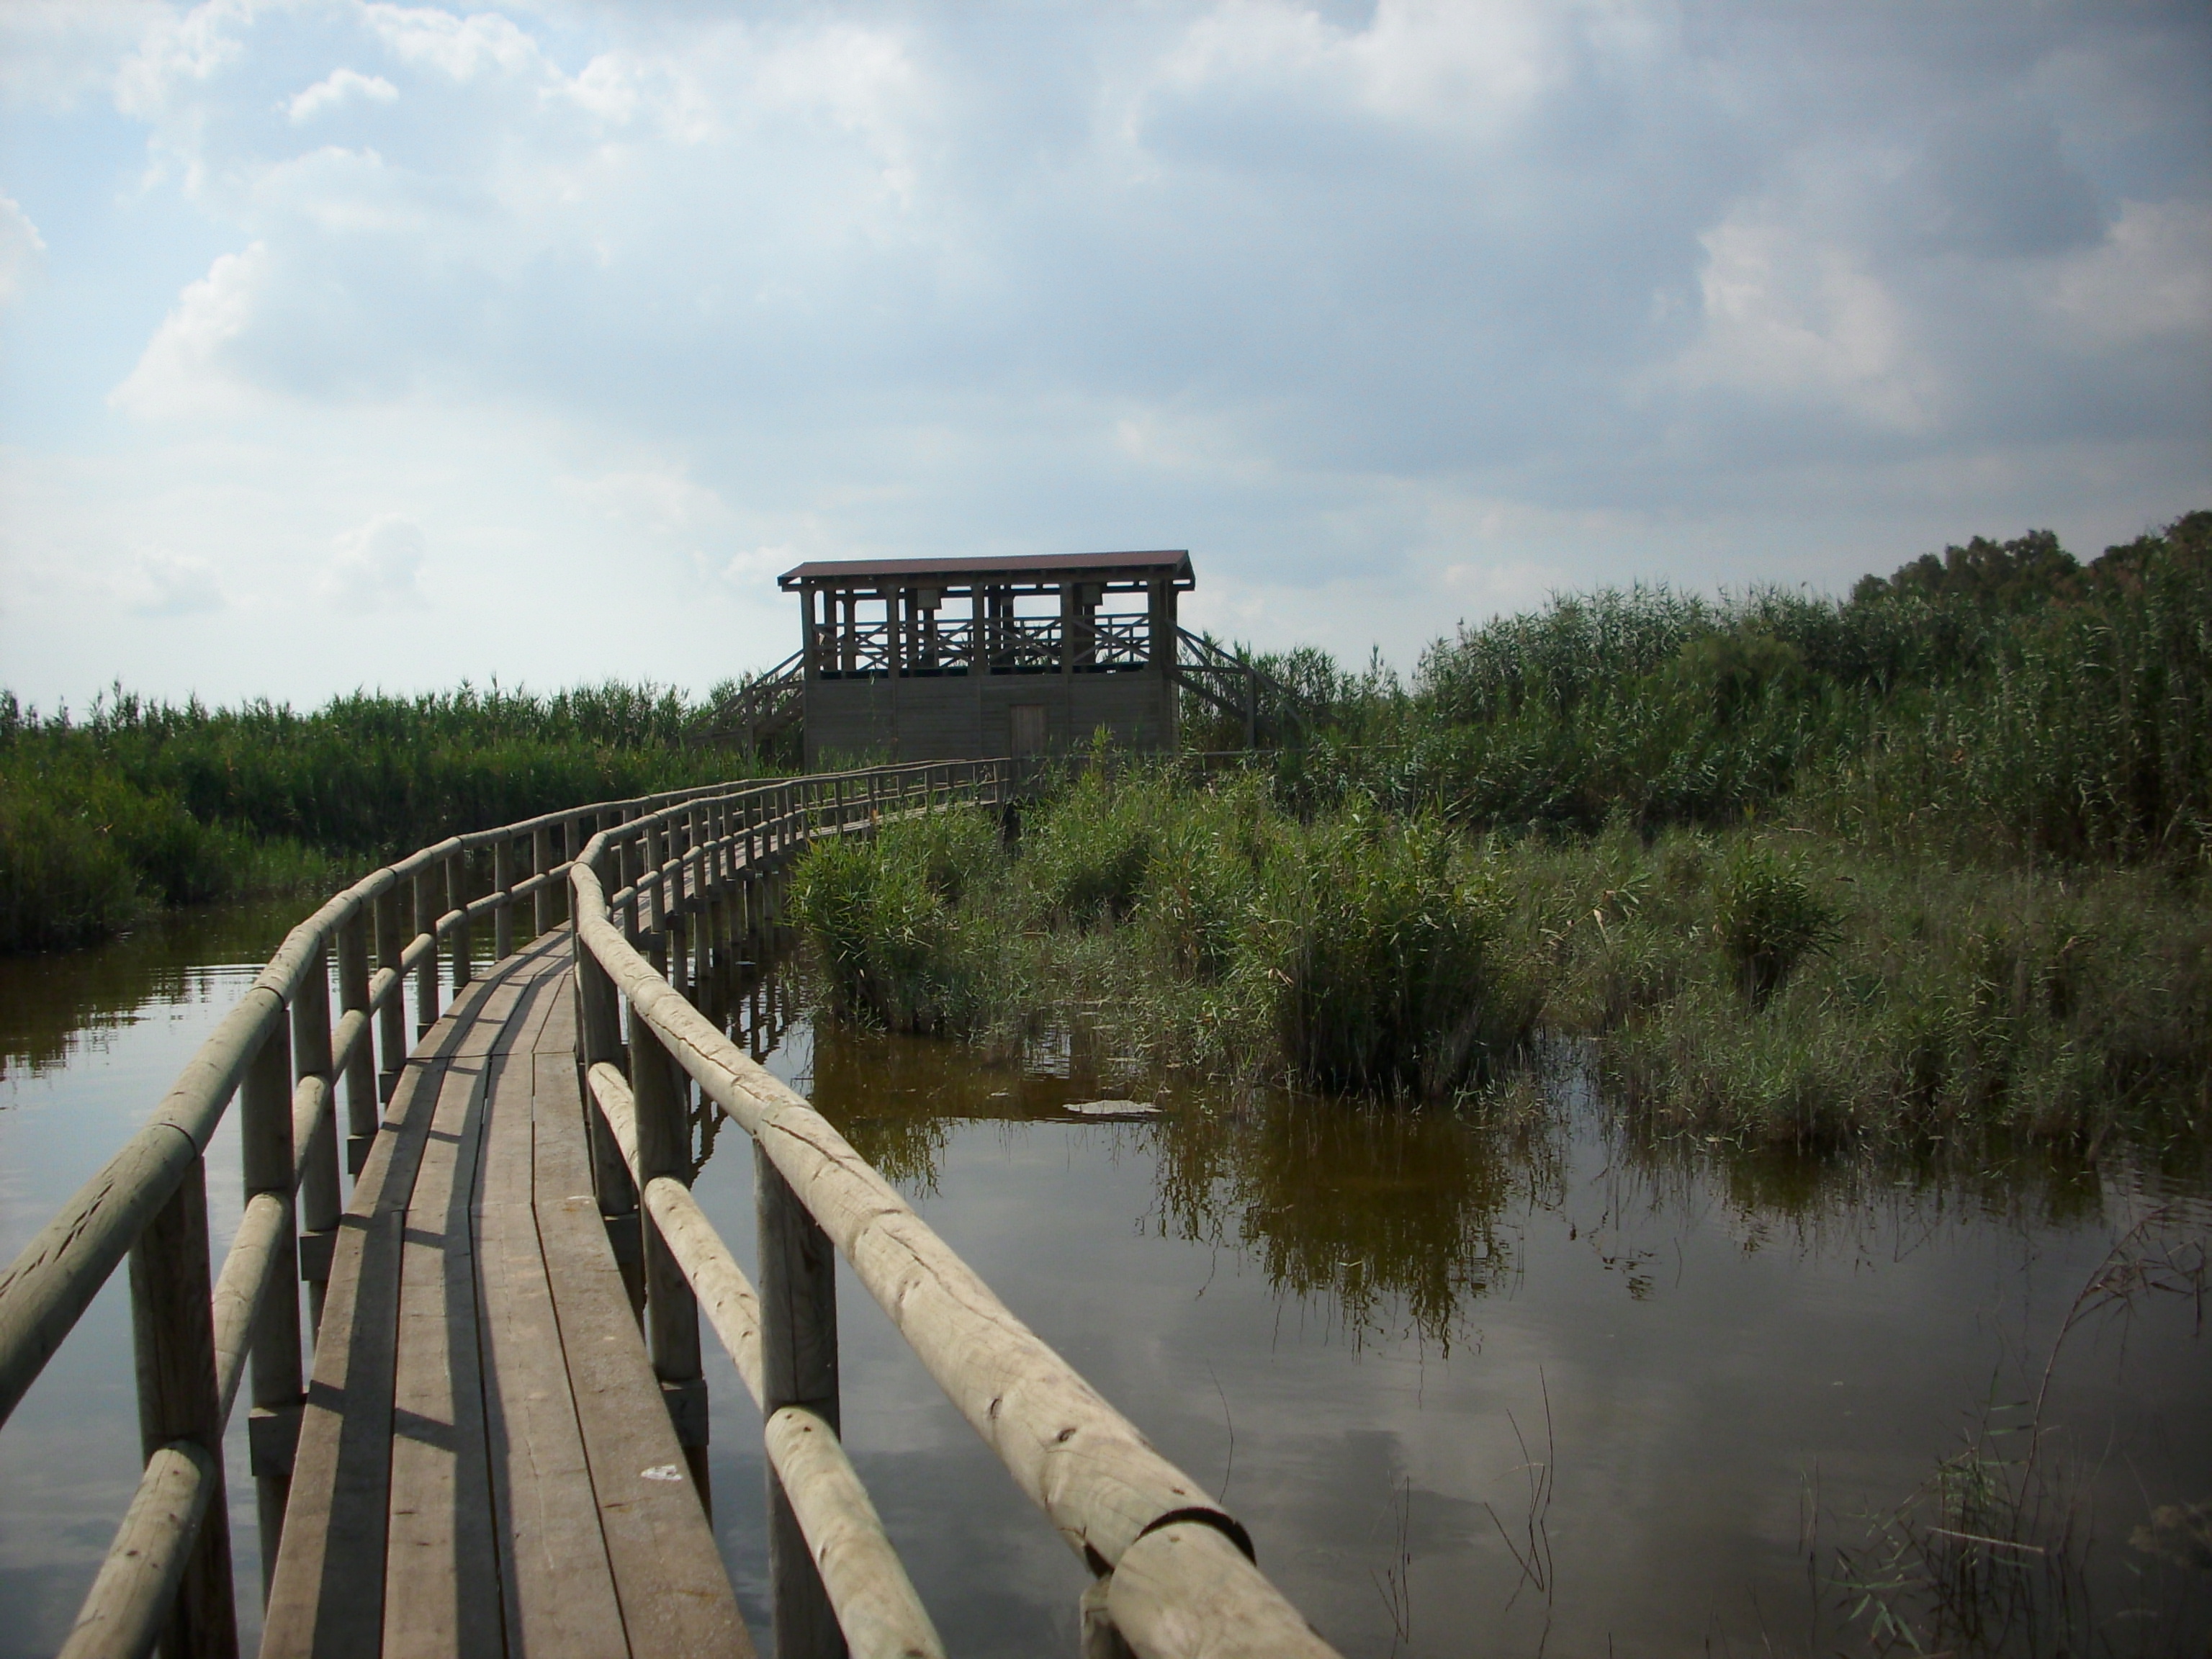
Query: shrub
[(1381, 940), (1768, 919), (886, 915)]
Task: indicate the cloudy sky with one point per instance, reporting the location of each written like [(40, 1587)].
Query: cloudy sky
[(356, 344)]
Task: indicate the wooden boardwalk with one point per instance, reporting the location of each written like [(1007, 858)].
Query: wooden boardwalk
[(486, 1458), (485, 1463)]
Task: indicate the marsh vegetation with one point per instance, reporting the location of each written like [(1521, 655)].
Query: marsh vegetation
[(142, 805), (1927, 864)]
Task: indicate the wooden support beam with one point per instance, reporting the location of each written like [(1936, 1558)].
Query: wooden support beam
[(503, 879), (363, 1095), (457, 899), (172, 1331), (671, 1312), (799, 1367), (319, 1201), (264, 1131), (428, 882)]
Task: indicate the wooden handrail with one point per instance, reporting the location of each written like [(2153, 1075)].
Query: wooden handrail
[(1095, 1476), (1176, 1568)]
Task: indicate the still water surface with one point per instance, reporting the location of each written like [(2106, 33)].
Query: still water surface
[(1475, 1389)]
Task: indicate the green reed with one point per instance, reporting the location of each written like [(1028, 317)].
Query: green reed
[(142, 804)]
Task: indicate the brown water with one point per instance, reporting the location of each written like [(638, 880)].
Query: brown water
[(1475, 1389)]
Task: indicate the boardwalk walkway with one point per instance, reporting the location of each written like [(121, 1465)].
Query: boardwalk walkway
[(485, 1465), (493, 1451)]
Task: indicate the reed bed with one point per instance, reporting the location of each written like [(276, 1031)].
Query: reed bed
[(1928, 864), (142, 804)]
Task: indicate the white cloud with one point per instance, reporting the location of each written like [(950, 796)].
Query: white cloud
[(2151, 277), (183, 371), (1426, 61), (662, 499), (52, 52), (1792, 319), (461, 47), (21, 249), (178, 50), (340, 87), (378, 567), (163, 584)]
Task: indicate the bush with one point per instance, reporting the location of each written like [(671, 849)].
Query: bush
[(1768, 919), (886, 915), (1380, 943)]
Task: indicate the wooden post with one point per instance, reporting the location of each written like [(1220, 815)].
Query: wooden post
[(362, 1095), (319, 1202), (264, 1152), (671, 1312), (173, 1333), (598, 1038), (799, 1367), (502, 877), (541, 862), (392, 1018), (457, 898), (652, 856), (702, 918), (627, 862), (427, 881)]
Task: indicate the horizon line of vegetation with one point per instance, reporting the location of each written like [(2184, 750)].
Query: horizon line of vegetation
[(1944, 841)]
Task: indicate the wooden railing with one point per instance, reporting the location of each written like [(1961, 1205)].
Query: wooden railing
[(168, 1574), (1175, 1570), (661, 884)]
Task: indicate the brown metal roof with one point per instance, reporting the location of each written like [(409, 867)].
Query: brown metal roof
[(1174, 563)]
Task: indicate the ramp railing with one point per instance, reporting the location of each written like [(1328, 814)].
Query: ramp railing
[(655, 888)]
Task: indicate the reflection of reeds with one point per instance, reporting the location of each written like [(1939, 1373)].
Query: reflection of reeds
[(1993, 1553), (1532, 1553), (1383, 1214)]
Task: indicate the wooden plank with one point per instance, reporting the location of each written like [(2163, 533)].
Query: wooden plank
[(562, 1597), (327, 1594), (440, 1561), (674, 1594)]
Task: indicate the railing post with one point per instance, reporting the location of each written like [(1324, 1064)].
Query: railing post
[(361, 1069), (172, 1331), (541, 864), (799, 1367), (427, 881), (392, 1018), (671, 1312), (319, 1202), (502, 877), (652, 856), (702, 916), (598, 1038), (457, 898), (264, 1149)]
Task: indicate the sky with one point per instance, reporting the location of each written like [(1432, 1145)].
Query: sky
[(354, 344)]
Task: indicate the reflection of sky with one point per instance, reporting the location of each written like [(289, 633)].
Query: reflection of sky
[(1392, 313)]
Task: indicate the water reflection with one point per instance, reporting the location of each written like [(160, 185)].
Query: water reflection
[(56, 1006), (1413, 1350)]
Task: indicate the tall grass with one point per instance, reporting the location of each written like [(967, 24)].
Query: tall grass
[(1216, 930), (2013, 704), (144, 803), (1920, 1000)]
